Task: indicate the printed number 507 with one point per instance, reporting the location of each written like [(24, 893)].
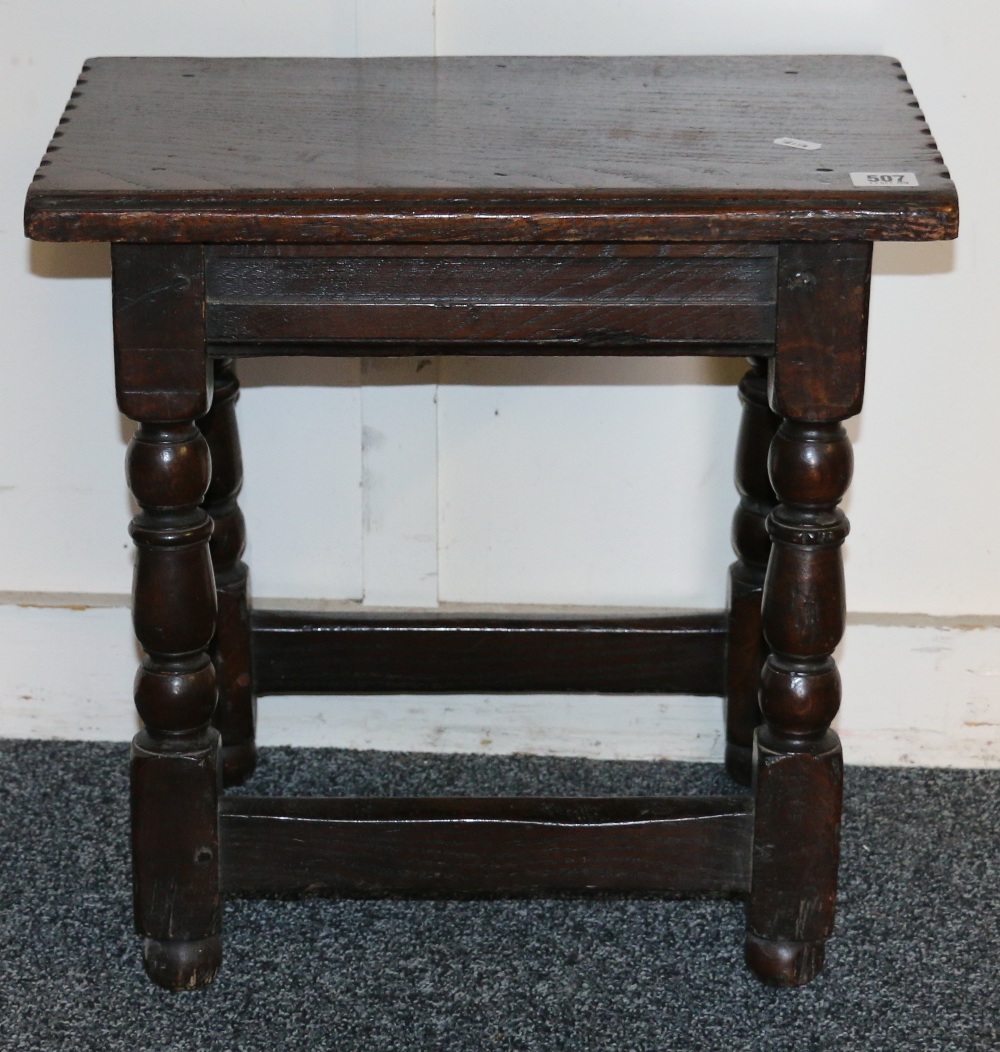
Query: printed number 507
[(884, 179)]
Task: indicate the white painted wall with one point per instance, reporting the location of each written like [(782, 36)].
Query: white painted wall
[(503, 481)]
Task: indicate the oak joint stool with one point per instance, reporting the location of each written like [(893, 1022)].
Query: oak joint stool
[(524, 206)]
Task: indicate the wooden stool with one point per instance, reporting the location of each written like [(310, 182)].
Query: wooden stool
[(529, 206)]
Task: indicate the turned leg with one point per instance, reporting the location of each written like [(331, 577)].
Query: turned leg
[(815, 380), (175, 775), (746, 649), (235, 714), (797, 763), (161, 374)]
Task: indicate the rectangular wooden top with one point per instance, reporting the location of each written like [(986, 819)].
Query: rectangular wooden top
[(822, 147)]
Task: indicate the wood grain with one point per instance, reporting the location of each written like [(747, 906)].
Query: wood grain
[(435, 652), (521, 149), (162, 369), (525, 302), (818, 369), (547, 205), (493, 846)]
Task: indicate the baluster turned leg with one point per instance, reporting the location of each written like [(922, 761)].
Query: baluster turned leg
[(175, 778), (798, 765), (161, 378), (747, 650), (235, 714)]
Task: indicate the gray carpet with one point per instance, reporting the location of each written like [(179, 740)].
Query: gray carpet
[(914, 964)]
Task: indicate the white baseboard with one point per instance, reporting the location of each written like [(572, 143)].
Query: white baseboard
[(923, 693)]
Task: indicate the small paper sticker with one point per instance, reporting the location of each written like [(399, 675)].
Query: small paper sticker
[(798, 144), (884, 179)]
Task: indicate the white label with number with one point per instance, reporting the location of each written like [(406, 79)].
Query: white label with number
[(797, 144), (884, 179)]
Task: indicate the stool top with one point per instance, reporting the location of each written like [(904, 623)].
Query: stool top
[(822, 147)]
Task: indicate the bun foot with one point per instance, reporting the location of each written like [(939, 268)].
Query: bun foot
[(180, 964), (783, 963), (238, 762)]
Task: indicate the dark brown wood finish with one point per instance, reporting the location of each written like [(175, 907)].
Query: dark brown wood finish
[(236, 712), (524, 301), (162, 370), (501, 206), (746, 648), (486, 846), (413, 652), (798, 769), (162, 383), (819, 359), (489, 149)]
